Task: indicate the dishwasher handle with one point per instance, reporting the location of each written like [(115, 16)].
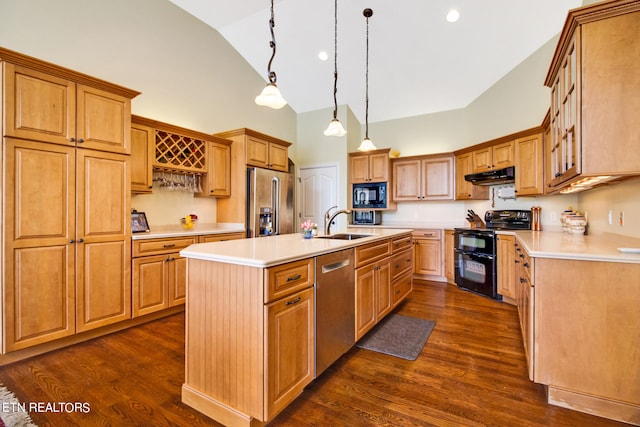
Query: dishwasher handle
[(335, 266)]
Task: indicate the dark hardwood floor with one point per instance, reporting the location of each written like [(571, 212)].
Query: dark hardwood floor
[(472, 372)]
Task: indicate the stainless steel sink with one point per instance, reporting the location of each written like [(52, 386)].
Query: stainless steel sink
[(345, 236)]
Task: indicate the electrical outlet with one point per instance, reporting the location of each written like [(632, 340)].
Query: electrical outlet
[(621, 218), (610, 217)]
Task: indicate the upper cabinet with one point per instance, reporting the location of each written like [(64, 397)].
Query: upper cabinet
[(529, 165), (464, 189), (370, 166), (47, 103), (496, 156), (423, 178), (164, 147), (595, 97), (267, 153)]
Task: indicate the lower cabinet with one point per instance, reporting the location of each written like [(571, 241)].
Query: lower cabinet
[(525, 300), (290, 348), (159, 274), (427, 251), (383, 279), (506, 273), (449, 257)]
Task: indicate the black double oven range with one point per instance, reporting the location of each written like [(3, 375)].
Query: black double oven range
[(475, 250)]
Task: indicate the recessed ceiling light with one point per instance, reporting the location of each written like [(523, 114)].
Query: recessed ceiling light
[(453, 15), (323, 55)]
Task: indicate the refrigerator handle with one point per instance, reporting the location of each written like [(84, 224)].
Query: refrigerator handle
[(275, 203)]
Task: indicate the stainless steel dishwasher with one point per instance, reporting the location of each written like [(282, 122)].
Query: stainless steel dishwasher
[(335, 307)]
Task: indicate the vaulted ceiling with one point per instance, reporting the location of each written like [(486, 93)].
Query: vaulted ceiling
[(418, 62)]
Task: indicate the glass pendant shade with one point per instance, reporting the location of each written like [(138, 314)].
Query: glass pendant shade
[(271, 97), (335, 129), (366, 145)]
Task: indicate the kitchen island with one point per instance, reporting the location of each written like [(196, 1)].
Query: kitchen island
[(250, 310), (578, 299)]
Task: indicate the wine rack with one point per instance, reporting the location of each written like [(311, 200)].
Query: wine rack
[(175, 152)]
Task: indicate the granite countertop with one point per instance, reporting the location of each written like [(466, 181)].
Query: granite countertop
[(163, 231), (595, 247), (273, 250)]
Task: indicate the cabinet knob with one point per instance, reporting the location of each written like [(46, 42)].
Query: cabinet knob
[(295, 301)]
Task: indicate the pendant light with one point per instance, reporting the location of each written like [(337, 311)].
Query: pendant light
[(270, 96), (366, 144), (335, 127)]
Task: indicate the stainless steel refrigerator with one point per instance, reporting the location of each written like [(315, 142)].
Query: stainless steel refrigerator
[(270, 205)]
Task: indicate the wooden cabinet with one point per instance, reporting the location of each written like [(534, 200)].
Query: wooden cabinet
[(505, 254), (265, 153), (217, 183), (290, 348), (449, 257), (244, 141), (206, 238), (373, 285), (159, 274), (401, 269), (428, 253), (142, 150), (423, 178), (67, 251), (497, 156), (55, 108), (595, 96), (525, 301), (464, 189), (529, 165), (372, 166)]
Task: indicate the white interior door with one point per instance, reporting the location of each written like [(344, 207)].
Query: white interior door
[(318, 192)]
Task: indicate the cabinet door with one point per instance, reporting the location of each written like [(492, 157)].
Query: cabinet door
[(437, 179), (39, 106), (482, 160), (290, 349), (384, 296), (257, 152), (177, 284), (359, 168), (142, 144), (103, 272), (529, 170), (39, 258), (464, 166), (365, 300), (502, 155), (406, 180), (379, 167), (219, 171), (449, 264), (427, 257), (150, 277), (278, 157), (506, 266), (103, 120)]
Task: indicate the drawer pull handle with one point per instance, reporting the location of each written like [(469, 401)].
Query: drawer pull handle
[(526, 264), (293, 278), (295, 301), (169, 245)]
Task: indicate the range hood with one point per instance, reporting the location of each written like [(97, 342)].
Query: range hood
[(494, 177)]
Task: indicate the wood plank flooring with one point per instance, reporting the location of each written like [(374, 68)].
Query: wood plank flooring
[(472, 372)]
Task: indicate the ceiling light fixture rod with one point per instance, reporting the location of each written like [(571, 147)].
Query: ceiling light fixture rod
[(270, 96), (366, 144), (335, 127)]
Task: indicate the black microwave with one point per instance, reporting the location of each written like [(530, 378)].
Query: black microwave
[(370, 196)]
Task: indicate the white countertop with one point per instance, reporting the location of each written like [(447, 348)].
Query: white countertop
[(274, 250), (177, 230), (596, 247)]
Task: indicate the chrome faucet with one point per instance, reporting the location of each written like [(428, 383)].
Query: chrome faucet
[(328, 219)]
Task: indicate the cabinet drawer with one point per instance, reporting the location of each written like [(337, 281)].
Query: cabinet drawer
[(371, 252), (402, 287), (401, 243), (427, 234), (401, 262), (288, 278), (161, 246), (206, 238)]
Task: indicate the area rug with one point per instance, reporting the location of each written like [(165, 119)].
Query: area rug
[(399, 336), (12, 412)]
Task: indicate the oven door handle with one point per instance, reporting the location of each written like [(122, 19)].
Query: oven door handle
[(475, 254)]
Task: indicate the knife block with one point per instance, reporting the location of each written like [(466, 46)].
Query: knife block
[(476, 223)]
